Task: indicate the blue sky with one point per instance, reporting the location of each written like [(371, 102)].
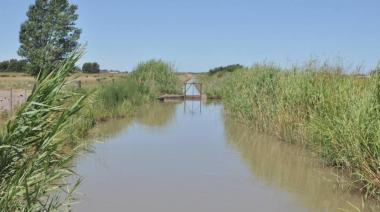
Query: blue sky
[(196, 35)]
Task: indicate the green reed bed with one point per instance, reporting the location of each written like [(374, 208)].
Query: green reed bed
[(335, 114), (213, 80), (31, 158), (212, 83), (145, 83)]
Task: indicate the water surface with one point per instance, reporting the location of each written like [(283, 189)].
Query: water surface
[(180, 157)]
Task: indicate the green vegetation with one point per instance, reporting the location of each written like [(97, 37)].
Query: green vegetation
[(91, 68), (213, 80), (32, 162), (334, 114), (122, 96), (14, 65), (223, 69), (49, 34), (158, 76), (212, 84)]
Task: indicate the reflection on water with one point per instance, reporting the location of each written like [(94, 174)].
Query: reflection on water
[(110, 127), (192, 107), (168, 159), (157, 114), (290, 168), (154, 115)]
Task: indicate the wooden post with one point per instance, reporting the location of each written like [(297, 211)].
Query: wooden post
[(192, 94), (11, 100), (200, 92), (79, 84), (184, 90)]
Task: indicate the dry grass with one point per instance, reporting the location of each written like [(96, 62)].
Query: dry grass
[(25, 81)]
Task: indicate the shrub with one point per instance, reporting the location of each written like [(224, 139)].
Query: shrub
[(158, 76), (124, 95), (14, 65), (91, 68), (223, 69)]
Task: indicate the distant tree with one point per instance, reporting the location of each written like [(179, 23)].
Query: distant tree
[(77, 69), (14, 65), (4, 66), (91, 68), (229, 68), (49, 34)]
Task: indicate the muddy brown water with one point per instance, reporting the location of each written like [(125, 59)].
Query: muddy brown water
[(180, 157)]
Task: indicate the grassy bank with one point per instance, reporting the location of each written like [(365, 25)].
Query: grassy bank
[(335, 114), (123, 96), (41, 139)]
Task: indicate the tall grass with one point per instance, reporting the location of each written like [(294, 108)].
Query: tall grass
[(158, 76), (335, 114), (212, 84), (146, 82), (32, 162), (121, 97)]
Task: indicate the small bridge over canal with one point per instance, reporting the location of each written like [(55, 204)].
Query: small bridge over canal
[(191, 91)]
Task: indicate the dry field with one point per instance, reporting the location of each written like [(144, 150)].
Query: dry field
[(25, 81), (15, 87)]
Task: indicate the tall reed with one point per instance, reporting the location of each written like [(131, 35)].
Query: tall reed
[(335, 114), (32, 162), (145, 83), (158, 76)]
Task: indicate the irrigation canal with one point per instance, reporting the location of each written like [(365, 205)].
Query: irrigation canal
[(178, 157)]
